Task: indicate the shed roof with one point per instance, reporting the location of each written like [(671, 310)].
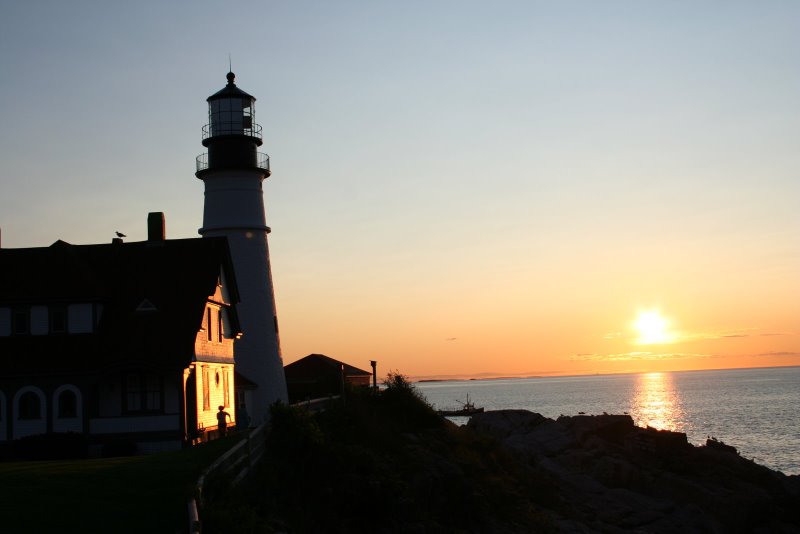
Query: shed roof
[(321, 362)]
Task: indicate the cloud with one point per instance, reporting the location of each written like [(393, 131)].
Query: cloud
[(613, 335), (779, 353), (637, 356), (730, 334)]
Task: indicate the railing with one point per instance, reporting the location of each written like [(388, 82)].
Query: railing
[(235, 464), (317, 405), (262, 161), (231, 128)]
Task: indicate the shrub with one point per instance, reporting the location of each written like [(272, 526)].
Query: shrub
[(406, 404)]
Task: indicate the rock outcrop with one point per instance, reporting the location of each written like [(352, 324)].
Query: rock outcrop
[(612, 476)]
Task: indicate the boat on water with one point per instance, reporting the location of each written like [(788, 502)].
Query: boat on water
[(467, 408)]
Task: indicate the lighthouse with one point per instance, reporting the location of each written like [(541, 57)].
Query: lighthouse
[(233, 170)]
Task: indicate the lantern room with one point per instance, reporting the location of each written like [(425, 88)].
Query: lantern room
[(231, 111), (231, 135)]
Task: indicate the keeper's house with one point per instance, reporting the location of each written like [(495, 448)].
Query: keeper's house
[(123, 343)]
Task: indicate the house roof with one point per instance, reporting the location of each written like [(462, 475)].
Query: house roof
[(320, 362), (152, 294)]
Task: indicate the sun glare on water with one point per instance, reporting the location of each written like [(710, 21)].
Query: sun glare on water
[(652, 328)]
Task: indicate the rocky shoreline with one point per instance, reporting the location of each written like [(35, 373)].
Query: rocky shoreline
[(609, 475)]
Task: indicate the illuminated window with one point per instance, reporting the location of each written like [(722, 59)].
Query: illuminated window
[(206, 385), (227, 394)]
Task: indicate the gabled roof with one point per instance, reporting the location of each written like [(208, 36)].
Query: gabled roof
[(319, 362), (152, 293)]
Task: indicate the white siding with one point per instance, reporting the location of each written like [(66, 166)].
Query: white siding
[(5, 321), (208, 418), (80, 319), (40, 325)]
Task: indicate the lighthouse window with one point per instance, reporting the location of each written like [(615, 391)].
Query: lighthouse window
[(226, 116)]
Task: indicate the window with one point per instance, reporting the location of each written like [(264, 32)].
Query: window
[(206, 396), (219, 326), (208, 324), (30, 406), (143, 392), (226, 389), (152, 391), (21, 321), (67, 404), (58, 319)]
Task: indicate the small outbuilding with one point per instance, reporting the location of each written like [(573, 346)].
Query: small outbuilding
[(317, 376)]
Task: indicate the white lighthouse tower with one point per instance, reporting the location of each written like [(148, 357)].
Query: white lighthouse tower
[(233, 171)]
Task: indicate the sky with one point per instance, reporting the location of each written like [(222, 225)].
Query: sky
[(459, 188)]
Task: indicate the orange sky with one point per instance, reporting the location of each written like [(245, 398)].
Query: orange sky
[(497, 188), (537, 319)]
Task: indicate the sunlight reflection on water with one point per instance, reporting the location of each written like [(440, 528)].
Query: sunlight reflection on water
[(656, 402)]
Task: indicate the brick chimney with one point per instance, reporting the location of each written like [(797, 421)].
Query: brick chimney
[(156, 231)]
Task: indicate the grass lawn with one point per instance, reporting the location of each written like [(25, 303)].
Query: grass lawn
[(140, 494)]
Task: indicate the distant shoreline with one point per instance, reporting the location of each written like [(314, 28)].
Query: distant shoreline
[(529, 377)]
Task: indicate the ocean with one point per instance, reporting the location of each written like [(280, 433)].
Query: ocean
[(755, 410)]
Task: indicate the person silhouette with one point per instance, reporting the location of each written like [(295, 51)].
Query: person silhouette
[(222, 421)]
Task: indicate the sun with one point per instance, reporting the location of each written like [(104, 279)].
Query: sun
[(652, 328)]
